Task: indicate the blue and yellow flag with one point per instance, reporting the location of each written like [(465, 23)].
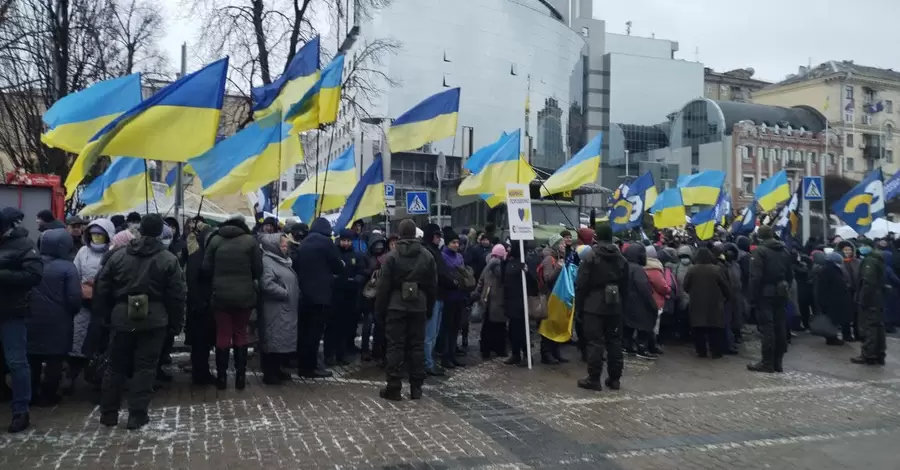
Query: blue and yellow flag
[(248, 160), (77, 117), (431, 120), (745, 223), (301, 73), (557, 326), (773, 191), (478, 160), (863, 204), (628, 210), (179, 122), (329, 189), (581, 169), (705, 221), (367, 198), (123, 186), (506, 165), (320, 103), (701, 188), (668, 210)]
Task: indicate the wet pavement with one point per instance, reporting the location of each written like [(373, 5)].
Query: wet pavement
[(678, 412)]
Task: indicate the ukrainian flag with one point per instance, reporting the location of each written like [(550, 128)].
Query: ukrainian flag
[(668, 210), (123, 186), (506, 165), (177, 123), (863, 204), (172, 176), (329, 188), (431, 120), (301, 73), (321, 102), (773, 191), (476, 163), (560, 307), (75, 118), (701, 188), (249, 159), (706, 220), (579, 170), (367, 198)]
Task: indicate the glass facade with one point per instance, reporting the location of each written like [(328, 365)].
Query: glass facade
[(699, 122), (495, 51)]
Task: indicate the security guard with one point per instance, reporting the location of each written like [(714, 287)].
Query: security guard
[(771, 276)]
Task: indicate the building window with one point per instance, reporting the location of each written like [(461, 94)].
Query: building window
[(747, 185), (889, 133), (798, 157), (283, 186), (848, 164), (761, 153), (446, 56), (785, 157), (889, 106), (834, 160), (848, 116), (745, 154), (849, 140), (585, 32), (813, 158), (889, 156), (848, 92), (870, 95), (870, 164), (513, 69)]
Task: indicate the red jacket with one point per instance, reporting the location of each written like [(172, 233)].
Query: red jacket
[(658, 284)]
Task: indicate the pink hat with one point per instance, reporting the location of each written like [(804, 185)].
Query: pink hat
[(122, 238), (498, 251)]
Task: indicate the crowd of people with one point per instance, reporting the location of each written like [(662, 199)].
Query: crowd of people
[(102, 301)]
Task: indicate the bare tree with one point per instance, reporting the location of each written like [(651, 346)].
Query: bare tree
[(51, 48)]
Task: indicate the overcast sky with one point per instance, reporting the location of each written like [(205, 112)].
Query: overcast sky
[(772, 36)]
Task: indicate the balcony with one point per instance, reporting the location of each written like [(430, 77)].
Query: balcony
[(872, 150)]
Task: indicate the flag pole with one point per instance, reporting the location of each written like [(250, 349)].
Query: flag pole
[(146, 188), (321, 197), (179, 179)]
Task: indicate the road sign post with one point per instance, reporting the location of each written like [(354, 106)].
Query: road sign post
[(417, 203), (812, 191), (390, 203)]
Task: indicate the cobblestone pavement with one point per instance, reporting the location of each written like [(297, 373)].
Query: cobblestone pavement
[(679, 412)]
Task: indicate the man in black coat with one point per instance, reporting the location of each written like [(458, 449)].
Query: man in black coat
[(431, 239), (20, 271), (600, 288), (341, 329), (201, 329), (320, 261), (771, 275)]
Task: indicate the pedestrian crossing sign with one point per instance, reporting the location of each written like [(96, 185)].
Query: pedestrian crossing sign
[(417, 203), (812, 188)]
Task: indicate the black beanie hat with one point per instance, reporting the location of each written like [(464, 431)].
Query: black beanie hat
[(151, 226), (604, 233), (765, 232), (449, 235), (407, 229), (133, 217)]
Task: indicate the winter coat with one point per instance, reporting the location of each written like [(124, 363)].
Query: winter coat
[(446, 279), (600, 267), (872, 282), (348, 284), (551, 266), (892, 299), (490, 290), (658, 284), (198, 285), (639, 307), (736, 300), (143, 267), (832, 293), (709, 290), (680, 271), (20, 272), (511, 278), (851, 266), (770, 265), (56, 300), (233, 263), (455, 263), (280, 294), (88, 262), (409, 262), (321, 263), (477, 258)]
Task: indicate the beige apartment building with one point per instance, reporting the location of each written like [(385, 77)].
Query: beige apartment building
[(862, 105), (733, 85)]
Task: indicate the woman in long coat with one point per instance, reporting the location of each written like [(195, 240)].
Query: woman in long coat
[(280, 299), (708, 288), (489, 292), (833, 296), (640, 310)]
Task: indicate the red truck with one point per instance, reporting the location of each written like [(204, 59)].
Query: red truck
[(32, 193)]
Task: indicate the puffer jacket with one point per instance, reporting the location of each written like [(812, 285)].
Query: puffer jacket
[(20, 271), (143, 267), (280, 298), (601, 266), (56, 300), (409, 262), (639, 307), (88, 262), (233, 262), (658, 285)]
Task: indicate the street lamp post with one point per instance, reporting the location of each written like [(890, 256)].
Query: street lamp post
[(627, 164)]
